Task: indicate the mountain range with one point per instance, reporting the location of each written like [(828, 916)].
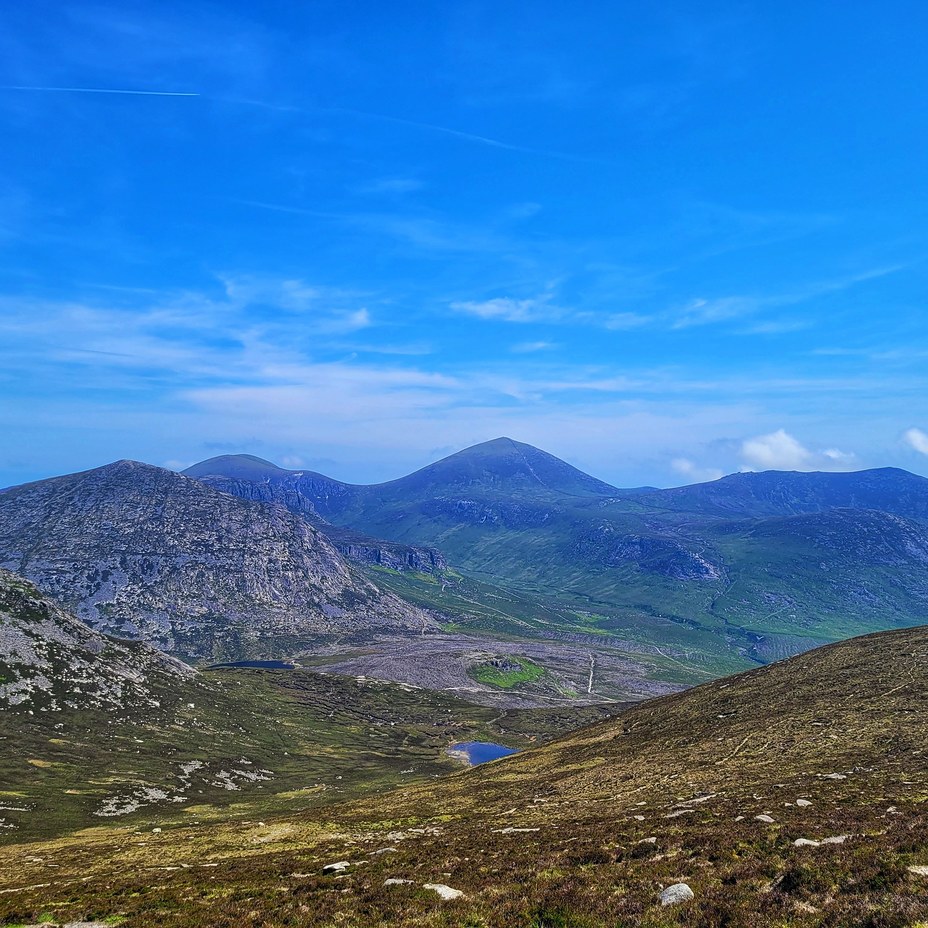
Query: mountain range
[(753, 566), (238, 558)]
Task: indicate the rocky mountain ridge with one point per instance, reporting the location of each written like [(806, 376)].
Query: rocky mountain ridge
[(786, 493), (141, 552), (300, 494)]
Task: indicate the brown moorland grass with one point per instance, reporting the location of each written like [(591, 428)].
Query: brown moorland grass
[(581, 833)]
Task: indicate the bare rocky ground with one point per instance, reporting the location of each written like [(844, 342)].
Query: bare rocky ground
[(574, 674)]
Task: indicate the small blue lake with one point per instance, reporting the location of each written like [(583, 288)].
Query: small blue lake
[(479, 752), (259, 665)]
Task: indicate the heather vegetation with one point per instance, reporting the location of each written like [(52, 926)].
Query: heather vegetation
[(791, 795)]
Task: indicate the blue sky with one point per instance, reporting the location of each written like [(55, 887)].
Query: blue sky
[(663, 241)]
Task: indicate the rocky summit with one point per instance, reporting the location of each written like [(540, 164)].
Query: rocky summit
[(141, 552)]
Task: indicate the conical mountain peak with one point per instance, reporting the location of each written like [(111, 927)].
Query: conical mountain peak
[(503, 465)]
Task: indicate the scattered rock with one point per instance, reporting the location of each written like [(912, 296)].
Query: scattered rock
[(806, 842), (803, 803), (385, 850), (446, 892), (700, 799), (837, 839), (918, 870), (679, 892), (834, 776), (393, 881), (337, 867), (764, 818)]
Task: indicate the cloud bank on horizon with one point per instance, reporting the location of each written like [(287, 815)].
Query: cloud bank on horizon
[(632, 237)]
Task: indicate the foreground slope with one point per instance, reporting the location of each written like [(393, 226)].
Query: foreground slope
[(792, 795), (138, 551)]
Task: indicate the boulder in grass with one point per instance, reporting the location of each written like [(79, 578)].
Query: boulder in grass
[(677, 893), (446, 892)]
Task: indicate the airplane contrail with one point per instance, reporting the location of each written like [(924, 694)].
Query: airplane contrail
[(142, 93), (428, 127)]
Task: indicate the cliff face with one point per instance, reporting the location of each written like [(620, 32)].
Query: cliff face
[(282, 492), (395, 555), (50, 661), (141, 552)]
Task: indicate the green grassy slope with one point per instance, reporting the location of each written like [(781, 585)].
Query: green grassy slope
[(669, 646), (734, 589), (242, 743)]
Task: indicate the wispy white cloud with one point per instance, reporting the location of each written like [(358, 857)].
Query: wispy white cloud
[(703, 311), (546, 308), (329, 310), (411, 350), (391, 186), (247, 332), (289, 293), (621, 322), (776, 327), (421, 233), (387, 119), (532, 347), (507, 309), (522, 211), (917, 440), (744, 315), (781, 451), (343, 323)]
